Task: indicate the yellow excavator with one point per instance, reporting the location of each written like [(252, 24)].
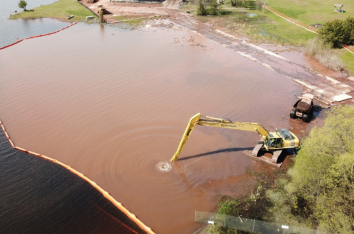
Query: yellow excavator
[(273, 142)]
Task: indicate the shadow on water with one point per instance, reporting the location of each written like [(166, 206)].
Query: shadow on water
[(227, 150)]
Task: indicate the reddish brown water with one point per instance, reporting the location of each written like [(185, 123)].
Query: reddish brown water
[(114, 103)]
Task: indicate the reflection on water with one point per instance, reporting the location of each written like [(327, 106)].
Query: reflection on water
[(114, 103), (11, 30)]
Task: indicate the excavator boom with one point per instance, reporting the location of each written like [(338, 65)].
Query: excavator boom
[(270, 141), (246, 126), (220, 123)]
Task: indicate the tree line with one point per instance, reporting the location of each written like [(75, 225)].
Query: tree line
[(318, 191)]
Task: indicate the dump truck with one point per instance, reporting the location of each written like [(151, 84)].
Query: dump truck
[(303, 108)]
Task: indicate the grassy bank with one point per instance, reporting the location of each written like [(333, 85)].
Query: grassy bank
[(312, 11), (285, 30), (130, 20), (264, 26), (59, 9), (316, 11), (348, 60), (257, 24)]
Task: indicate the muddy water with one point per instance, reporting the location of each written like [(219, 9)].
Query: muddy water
[(113, 104)]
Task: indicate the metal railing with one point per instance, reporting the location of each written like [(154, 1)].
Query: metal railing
[(250, 225)]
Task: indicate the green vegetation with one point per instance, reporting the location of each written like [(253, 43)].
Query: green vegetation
[(129, 20), (312, 11), (254, 22), (322, 185), (322, 52), (59, 9), (22, 4), (249, 19), (214, 8), (316, 11), (338, 32), (284, 30), (318, 191), (347, 59), (201, 9), (243, 3)]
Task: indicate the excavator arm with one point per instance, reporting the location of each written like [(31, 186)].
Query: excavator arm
[(192, 122), (217, 122)]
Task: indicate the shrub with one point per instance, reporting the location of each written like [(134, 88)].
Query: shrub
[(236, 3), (349, 28), (201, 9), (243, 3), (214, 8), (322, 52)]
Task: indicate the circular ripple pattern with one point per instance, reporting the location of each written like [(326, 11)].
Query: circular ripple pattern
[(164, 166)]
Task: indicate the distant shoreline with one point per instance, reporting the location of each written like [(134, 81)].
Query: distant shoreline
[(58, 10)]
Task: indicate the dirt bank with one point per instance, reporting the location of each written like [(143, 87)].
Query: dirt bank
[(127, 9)]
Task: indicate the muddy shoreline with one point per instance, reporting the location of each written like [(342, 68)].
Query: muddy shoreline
[(126, 108)]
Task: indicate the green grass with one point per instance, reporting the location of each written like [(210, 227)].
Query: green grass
[(132, 21), (263, 27), (284, 30), (312, 11), (348, 60), (59, 9)]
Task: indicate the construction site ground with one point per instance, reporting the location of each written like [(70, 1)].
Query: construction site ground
[(328, 87)]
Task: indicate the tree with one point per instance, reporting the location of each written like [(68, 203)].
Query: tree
[(201, 9), (322, 185), (214, 7), (338, 32), (22, 4), (349, 28), (320, 193), (235, 3)]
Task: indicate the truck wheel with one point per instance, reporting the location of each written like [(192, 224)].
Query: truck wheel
[(306, 117), (293, 114)]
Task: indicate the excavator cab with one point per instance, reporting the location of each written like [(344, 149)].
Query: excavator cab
[(273, 142), (282, 138)]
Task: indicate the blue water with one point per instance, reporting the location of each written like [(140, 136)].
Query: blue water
[(13, 30)]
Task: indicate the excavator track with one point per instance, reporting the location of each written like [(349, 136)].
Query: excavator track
[(255, 152), (262, 158), (276, 155), (257, 148)]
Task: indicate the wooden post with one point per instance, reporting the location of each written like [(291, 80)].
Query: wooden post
[(101, 16)]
